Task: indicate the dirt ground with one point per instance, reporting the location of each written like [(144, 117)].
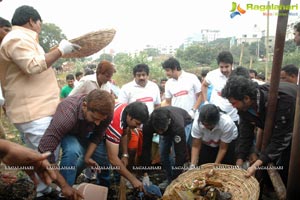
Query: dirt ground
[(27, 191), (24, 188)]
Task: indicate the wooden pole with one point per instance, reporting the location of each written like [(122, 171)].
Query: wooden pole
[(267, 45), (241, 55), (273, 93), (293, 186)]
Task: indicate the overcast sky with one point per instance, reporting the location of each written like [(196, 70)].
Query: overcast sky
[(142, 22)]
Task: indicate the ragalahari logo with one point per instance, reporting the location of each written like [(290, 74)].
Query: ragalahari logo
[(236, 10)]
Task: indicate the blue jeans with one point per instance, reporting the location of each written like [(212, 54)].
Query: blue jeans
[(167, 158), (167, 142), (73, 151), (188, 137)]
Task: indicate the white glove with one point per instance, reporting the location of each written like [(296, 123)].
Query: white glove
[(66, 47), (192, 113)]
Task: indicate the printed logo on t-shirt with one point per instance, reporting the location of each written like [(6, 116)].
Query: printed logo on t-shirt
[(212, 142), (145, 99), (177, 139), (181, 93)]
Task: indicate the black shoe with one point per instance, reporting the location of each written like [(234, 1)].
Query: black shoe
[(53, 195)]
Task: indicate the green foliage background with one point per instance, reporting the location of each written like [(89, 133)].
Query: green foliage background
[(193, 58)]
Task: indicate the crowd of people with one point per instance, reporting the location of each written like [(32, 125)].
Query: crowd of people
[(85, 125)]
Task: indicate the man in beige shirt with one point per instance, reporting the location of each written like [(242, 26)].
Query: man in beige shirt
[(29, 84), (5, 27), (100, 80)]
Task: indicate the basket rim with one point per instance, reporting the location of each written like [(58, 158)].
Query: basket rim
[(231, 175), (91, 43)]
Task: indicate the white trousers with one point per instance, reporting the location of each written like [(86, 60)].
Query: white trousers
[(31, 134)]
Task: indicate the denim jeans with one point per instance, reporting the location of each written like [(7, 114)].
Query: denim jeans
[(167, 158), (188, 137), (167, 144), (72, 160)]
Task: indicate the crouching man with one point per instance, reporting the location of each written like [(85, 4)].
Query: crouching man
[(169, 122), (79, 124)]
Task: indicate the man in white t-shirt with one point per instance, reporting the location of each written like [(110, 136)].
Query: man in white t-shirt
[(181, 90), (141, 89), (218, 78)]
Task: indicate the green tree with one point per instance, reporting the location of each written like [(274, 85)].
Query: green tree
[(253, 49), (105, 56), (50, 36), (291, 58), (196, 54), (222, 44), (125, 64), (120, 58), (151, 52), (289, 46)]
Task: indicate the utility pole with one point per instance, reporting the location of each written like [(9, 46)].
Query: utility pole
[(267, 44), (258, 40), (257, 36), (241, 54), (243, 40)]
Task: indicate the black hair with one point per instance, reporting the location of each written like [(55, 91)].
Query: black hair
[(77, 74), (172, 64), (4, 22), (253, 71), (23, 14), (137, 110), (141, 68), (204, 73), (238, 87), (70, 77), (240, 71), (160, 119), (163, 79), (209, 114), (161, 89), (290, 69), (88, 71), (297, 27), (226, 57), (261, 76)]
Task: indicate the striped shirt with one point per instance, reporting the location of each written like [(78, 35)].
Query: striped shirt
[(114, 131)]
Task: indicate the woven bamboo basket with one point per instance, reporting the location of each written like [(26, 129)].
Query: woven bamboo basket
[(231, 177), (91, 43)]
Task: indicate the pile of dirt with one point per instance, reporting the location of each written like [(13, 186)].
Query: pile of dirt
[(21, 188)]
